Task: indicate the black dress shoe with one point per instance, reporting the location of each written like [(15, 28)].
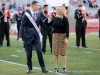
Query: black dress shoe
[(8, 45), (29, 71), (84, 46), (44, 71)]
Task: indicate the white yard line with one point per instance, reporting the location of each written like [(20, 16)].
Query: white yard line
[(19, 51), (14, 55), (85, 48), (82, 47), (87, 52), (26, 66), (94, 33), (49, 70)]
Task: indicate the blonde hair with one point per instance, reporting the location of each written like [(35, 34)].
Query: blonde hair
[(62, 10), (83, 8)]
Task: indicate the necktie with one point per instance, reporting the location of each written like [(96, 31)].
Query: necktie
[(34, 16)]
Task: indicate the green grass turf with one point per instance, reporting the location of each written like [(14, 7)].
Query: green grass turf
[(79, 61), (11, 69)]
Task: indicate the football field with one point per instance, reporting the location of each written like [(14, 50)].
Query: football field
[(79, 61)]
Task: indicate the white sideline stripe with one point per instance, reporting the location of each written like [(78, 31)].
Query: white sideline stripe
[(19, 51), (84, 48), (88, 52), (26, 66), (14, 55), (94, 33)]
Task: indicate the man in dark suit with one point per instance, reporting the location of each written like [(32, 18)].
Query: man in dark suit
[(31, 37), (99, 21), (27, 10), (80, 27), (45, 33), (4, 25)]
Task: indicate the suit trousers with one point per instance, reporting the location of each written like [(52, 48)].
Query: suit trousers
[(4, 30), (28, 48)]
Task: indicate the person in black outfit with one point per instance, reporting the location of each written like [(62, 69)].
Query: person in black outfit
[(31, 36), (4, 25), (99, 21), (45, 33), (80, 27), (18, 18)]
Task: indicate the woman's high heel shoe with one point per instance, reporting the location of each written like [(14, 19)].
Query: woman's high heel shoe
[(64, 70), (56, 70)]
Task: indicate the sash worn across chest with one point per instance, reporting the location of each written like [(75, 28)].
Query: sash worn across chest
[(35, 25)]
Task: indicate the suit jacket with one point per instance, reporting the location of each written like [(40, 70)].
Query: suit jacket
[(25, 11), (27, 30)]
